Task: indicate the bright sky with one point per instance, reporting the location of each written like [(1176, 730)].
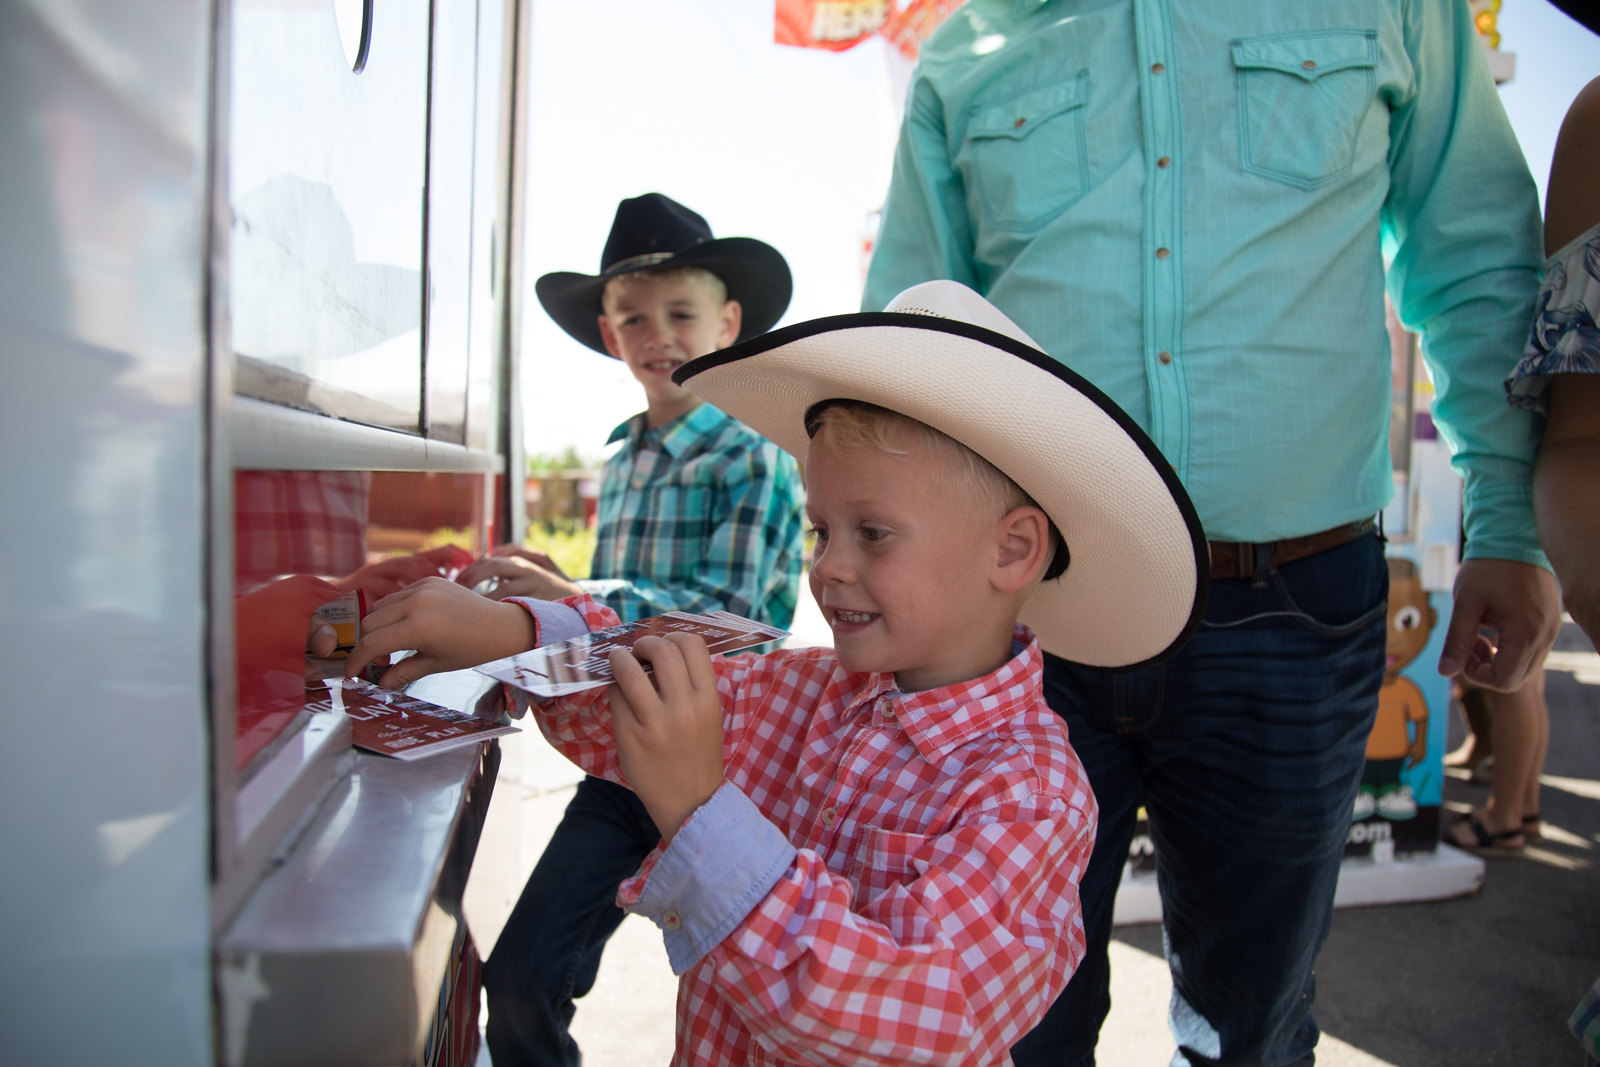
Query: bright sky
[(788, 145), (785, 144)]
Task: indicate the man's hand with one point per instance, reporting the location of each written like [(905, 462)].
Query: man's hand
[(516, 576), (394, 573), (277, 624), (1519, 604), (450, 627), (669, 735), (538, 559)]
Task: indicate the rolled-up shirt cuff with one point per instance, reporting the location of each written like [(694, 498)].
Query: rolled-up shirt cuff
[(720, 864), (553, 622)]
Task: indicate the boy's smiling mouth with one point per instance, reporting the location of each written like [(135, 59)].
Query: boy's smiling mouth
[(853, 618)]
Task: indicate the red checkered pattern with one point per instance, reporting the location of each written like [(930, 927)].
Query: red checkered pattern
[(931, 915), (298, 522)]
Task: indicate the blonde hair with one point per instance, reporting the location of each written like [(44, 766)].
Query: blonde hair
[(856, 423), (715, 286)]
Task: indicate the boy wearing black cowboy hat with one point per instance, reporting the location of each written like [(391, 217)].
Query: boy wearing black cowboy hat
[(870, 853), (696, 513)]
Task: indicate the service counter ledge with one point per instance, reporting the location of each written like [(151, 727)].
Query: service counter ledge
[(355, 945)]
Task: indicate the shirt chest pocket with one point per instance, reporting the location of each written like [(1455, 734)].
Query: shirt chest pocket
[(1025, 158), (885, 858), (1302, 100)]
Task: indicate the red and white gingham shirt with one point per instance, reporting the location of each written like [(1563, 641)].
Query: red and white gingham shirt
[(905, 866)]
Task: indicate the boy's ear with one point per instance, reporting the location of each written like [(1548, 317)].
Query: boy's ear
[(609, 337), (1023, 539), (731, 319)]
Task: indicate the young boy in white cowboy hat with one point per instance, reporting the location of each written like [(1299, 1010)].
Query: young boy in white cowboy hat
[(870, 853), (696, 513)]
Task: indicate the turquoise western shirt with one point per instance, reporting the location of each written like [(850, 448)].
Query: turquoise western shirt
[(702, 514), (1192, 204)]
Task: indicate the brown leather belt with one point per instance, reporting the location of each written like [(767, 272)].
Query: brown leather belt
[(1237, 559)]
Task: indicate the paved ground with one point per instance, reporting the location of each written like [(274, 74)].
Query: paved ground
[(1479, 981)]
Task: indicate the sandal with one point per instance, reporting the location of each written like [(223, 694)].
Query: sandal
[(1532, 826), (1481, 839)]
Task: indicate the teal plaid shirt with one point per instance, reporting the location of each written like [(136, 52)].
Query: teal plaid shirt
[(698, 515)]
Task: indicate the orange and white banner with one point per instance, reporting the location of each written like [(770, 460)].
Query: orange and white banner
[(836, 25)]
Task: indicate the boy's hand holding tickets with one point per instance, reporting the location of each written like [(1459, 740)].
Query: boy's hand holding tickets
[(669, 733), (450, 627)]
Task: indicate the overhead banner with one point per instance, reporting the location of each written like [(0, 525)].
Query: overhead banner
[(835, 25)]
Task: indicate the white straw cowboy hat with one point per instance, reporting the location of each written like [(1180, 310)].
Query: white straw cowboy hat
[(1137, 581)]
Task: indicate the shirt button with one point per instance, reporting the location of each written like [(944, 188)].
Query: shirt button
[(828, 815), (1019, 123), (1164, 162), (1164, 357), (1158, 68), (1309, 64), (671, 921), (1163, 253)]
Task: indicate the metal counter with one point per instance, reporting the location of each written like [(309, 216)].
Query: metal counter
[(342, 954)]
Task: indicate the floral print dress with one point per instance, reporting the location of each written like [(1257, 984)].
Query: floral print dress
[(1565, 339)]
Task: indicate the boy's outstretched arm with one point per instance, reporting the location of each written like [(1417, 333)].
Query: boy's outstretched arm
[(668, 733), (448, 625)]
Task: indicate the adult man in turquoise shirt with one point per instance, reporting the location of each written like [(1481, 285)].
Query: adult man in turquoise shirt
[(1192, 205)]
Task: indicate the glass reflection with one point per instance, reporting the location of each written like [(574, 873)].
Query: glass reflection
[(326, 173), (312, 551)]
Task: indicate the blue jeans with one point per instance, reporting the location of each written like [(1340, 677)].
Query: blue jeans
[(549, 951), (1245, 750)]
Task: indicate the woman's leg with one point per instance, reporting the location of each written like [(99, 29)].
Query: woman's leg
[(1521, 731)]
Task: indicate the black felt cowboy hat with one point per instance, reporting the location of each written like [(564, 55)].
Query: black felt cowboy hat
[(1580, 11), (651, 232), (940, 353)]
